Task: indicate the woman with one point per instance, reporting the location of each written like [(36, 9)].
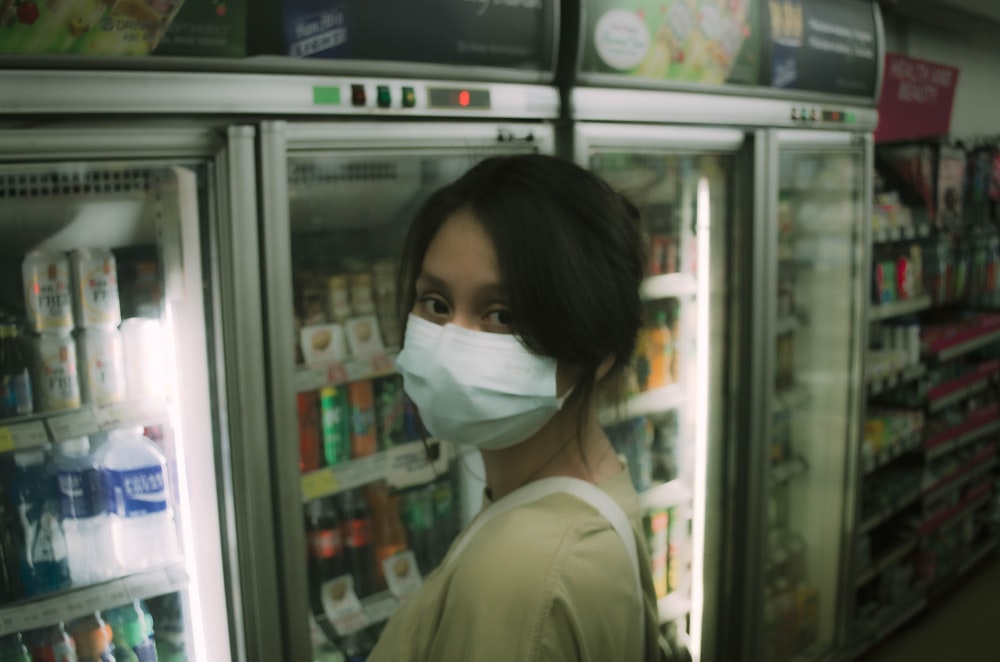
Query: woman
[(521, 280)]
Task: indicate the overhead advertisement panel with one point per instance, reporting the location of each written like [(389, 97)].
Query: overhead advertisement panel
[(702, 42)]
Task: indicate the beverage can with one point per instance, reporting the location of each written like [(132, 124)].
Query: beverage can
[(95, 285), (338, 299), (102, 366), (362, 301), (364, 437), (335, 419), (144, 344), (56, 380), (47, 298)]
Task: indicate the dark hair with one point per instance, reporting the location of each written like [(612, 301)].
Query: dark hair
[(570, 253)]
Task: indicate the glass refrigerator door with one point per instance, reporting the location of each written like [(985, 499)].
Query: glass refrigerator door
[(817, 342), (369, 505), (683, 183), (108, 481)]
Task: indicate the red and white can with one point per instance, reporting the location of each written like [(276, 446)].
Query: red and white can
[(47, 294), (95, 285), (57, 382)]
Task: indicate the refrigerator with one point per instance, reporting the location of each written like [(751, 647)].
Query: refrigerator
[(756, 217), (365, 505), (123, 315)]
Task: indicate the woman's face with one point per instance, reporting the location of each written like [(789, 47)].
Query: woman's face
[(459, 283)]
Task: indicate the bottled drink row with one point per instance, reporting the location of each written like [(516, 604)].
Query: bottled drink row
[(656, 362), (76, 348), (651, 448), (349, 421), (121, 634), (86, 511), (351, 313), (355, 532), (666, 539)]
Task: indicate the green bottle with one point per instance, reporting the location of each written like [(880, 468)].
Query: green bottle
[(12, 649)]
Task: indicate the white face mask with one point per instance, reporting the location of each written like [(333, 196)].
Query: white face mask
[(471, 387)]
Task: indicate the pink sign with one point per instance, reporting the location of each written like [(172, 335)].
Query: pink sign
[(916, 99)]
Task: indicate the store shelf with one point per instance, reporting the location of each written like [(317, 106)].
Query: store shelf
[(882, 383), (668, 286), (895, 449), (886, 561), (984, 422), (886, 513), (402, 466), (672, 607), (28, 432), (788, 471), (75, 603), (964, 474), (312, 378), (884, 311), (940, 585), (943, 521), (657, 401), (948, 349), (886, 235), (945, 395), (374, 609), (667, 495), (792, 398), (909, 608)]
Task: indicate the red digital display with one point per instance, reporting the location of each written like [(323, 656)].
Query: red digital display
[(464, 98)]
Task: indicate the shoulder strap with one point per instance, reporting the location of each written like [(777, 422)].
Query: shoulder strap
[(589, 493)]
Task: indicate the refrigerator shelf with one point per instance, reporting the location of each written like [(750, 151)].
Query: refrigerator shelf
[(401, 466), (673, 606), (888, 512), (886, 561), (75, 603), (668, 286), (966, 473), (313, 378), (977, 497), (881, 384), (788, 471), (959, 437), (886, 235), (897, 448), (39, 429), (944, 395), (649, 403), (666, 495), (913, 604), (884, 311)]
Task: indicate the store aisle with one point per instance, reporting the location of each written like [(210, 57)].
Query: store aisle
[(961, 627)]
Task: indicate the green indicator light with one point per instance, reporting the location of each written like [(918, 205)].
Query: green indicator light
[(326, 96), (851, 118)]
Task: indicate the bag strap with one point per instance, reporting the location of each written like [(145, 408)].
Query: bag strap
[(589, 493)]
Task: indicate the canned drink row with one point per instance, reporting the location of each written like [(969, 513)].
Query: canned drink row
[(97, 365), (65, 290)]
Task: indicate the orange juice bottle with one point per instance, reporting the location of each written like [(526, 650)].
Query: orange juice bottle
[(660, 350), (364, 436)]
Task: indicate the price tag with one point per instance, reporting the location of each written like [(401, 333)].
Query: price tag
[(342, 607), (113, 416), (361, 471), (382, 364), (412, 464), (310, 379), (336, 373), (115, 593), (381, 607), (78, 424), (29, 435), (6, 440), (318, 483), (402, 575)]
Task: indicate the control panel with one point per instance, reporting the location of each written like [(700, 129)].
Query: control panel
[(402, 96), (816, 115)]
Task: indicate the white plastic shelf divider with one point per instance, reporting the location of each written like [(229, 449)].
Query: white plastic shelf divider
[(666, 495), (668, 286), (884, 311)]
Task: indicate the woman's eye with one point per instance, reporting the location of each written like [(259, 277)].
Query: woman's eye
[(501, 317), (434, 306)]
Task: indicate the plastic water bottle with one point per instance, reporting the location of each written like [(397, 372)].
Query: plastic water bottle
[(84, 514), (132, 636), (139, 512)]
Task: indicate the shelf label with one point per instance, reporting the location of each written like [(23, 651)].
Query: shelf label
[(361, 471), (28, 435), (336, 373), (381, 608), (342, 607), (382, 364), (310, 379), (402, 575), (412, 464), (318, 483), (78, 424)]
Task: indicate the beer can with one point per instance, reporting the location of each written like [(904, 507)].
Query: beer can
[(57, 382), (95, 288), (338, 298), (362, 300), (102, 366), (144, 345), (47, 297)]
